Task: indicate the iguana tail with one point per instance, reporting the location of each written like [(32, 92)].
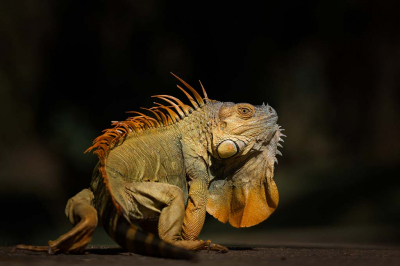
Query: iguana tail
[(137, 241)]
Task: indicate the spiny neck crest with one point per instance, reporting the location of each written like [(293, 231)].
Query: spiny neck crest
[(163, 116)]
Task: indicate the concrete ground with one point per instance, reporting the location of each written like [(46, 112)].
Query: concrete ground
[(313, 246), (106, 255)]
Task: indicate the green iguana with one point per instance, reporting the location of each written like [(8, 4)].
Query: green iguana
[(163, 173)]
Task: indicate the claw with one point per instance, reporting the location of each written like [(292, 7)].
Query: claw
[(220, 249), (32, 248)]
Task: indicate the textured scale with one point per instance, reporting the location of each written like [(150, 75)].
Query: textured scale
[(220, 156), (163, 168)]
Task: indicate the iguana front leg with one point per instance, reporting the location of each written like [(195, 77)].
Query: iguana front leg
[(196, 210), (196, 213), (83, 216)]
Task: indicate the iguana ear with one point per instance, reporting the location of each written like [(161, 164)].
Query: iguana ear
[(247, 197)]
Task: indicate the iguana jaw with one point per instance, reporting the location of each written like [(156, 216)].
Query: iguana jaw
[(246, 195)]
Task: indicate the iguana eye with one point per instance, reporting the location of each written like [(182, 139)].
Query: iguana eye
[(245, 110)]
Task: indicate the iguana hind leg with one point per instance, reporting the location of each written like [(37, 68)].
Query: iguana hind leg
[(150, 199), (83, 216)]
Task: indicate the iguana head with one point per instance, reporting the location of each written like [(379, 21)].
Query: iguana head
[(242, 128), (244, 145)]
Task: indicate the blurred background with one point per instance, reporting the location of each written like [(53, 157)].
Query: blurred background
[(329, 68)]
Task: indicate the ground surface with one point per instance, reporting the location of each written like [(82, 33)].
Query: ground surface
[(101, 255)]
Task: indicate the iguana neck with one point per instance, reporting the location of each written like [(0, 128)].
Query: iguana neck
[(196, 129)]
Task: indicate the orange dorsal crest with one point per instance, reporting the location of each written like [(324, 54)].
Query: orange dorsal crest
[(163, 116)]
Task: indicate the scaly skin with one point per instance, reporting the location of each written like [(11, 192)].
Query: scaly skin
[(164, 174)]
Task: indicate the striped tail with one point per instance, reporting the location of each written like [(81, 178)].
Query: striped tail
[(137, 241)]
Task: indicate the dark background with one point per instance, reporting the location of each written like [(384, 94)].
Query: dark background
[(329, 68)]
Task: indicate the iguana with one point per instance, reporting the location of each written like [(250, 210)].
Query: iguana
[(163, 173)]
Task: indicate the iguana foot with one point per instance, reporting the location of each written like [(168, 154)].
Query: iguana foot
[(219, 248), (75, 241), (216, 247), (200, 245), (32, 248)]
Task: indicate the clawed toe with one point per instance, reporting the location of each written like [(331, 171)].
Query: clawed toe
[(215, 247), (219, 248), (32, 248), (75, 241)]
